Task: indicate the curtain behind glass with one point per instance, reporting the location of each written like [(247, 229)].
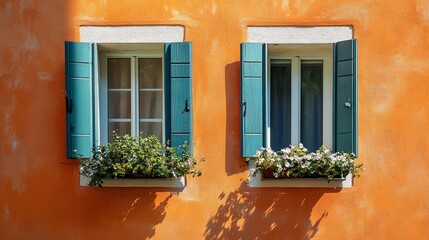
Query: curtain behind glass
[(312, 104), (150, 96), (280, 105), (119, 96)]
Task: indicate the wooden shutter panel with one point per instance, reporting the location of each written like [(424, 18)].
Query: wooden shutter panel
[(253, 71), (79, 98), (178, 71), (345, 96)]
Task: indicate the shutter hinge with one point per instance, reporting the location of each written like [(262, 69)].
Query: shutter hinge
[(69, 103)]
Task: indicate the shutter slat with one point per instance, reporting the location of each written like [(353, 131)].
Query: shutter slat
[(179, 95), (252, 95), (345, 96), (79, 88)]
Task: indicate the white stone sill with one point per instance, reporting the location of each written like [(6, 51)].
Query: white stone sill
[(259, 182), (139, 182)]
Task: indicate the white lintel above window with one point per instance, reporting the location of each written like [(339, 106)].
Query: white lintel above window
[(132, 34), (294, 34)]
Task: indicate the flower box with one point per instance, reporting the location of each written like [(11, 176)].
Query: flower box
[(179, 182), (134, 161), (294, 166), (259, 181), (268, 174)]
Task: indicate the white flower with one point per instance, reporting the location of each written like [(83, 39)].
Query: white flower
[(286, 150), (318, 156)]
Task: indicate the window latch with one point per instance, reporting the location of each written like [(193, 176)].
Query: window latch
[(187, 109), (348, 103), (244, 104)]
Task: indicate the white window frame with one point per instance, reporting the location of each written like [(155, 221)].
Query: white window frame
[(103, 91), (295, 56), (299, 35)]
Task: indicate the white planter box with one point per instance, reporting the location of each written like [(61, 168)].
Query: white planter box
[(140, 182), (259, 181)]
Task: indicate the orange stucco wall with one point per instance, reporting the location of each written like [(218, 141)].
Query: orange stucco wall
[(40, 196)]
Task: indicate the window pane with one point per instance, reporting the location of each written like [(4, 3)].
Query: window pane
[(150, 104), (121, 128), (119, 73), (280, 105), (150, 73), (151, 128), (312, 104), (119, 104)]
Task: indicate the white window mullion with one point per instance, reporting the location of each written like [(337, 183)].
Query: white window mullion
[(295, 100)]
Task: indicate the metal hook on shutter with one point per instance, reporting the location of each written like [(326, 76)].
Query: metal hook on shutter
[(244, 104), (187, 109), (348, 103)]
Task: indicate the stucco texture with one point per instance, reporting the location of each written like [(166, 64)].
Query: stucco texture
[(40, 196)]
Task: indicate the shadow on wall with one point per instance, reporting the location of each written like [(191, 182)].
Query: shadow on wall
[(137, 215), (147, 210), (266, 214), (234, 163)]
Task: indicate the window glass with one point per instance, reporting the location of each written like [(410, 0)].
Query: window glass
[(150, 104), (119, 95), (121, 128), (151, 128), (150, 96), (135, 95), (312, 104), (150, 73), (280, 104), (119, 73), (119, 104)]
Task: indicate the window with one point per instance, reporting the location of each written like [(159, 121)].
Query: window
[(296, 88), (132, 93), (299, 95), (127, 86)]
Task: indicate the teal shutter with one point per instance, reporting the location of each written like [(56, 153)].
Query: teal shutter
[(253, 72), (178, 75), (79, 98), (345, 96)]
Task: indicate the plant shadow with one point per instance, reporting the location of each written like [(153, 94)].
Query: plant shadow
[(136, 213), (271, 213)]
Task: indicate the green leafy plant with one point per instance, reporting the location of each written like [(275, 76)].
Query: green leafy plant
[(128, 156), (296, 161)]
